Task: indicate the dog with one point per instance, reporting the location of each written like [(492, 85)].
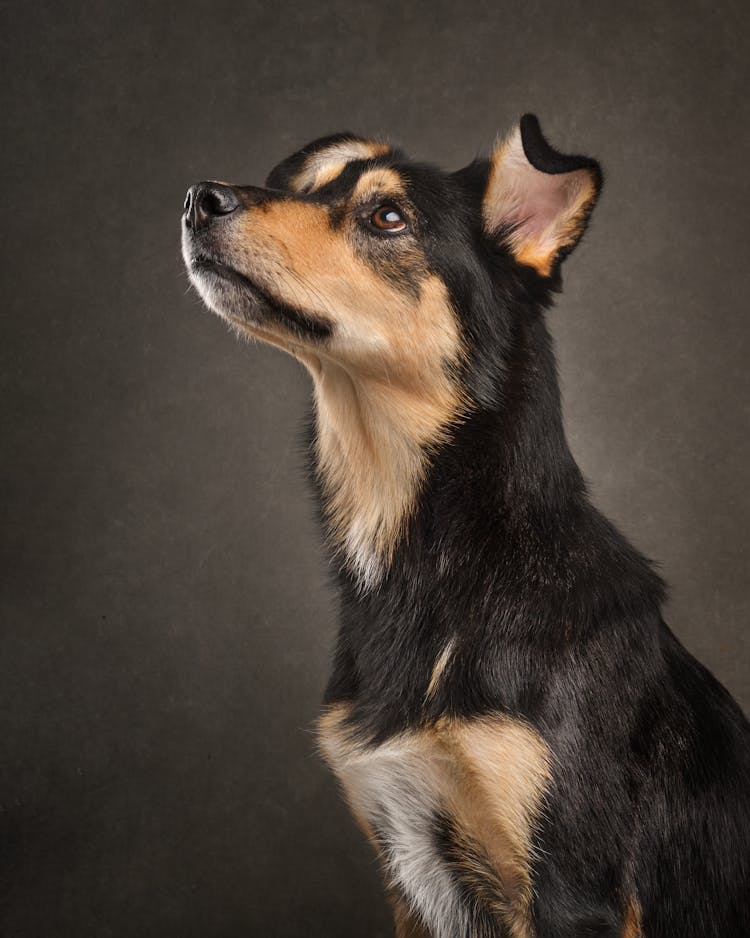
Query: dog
[(530, 750)]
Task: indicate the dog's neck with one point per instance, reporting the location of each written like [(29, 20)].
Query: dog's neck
[(389, 452), (372, 444)]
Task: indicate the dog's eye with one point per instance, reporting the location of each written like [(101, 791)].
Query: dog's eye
[(387, 218)]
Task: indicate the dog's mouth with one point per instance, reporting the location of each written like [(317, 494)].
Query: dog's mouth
[(242, 300)]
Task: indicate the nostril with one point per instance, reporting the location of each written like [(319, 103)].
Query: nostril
[(221, 200), (213, 204), (207, 201)]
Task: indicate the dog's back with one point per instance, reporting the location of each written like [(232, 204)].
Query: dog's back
[(530, 750)]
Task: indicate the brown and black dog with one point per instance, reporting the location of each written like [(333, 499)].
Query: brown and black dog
[(529, 748)]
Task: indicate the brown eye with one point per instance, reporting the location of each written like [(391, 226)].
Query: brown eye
[(387, 218)]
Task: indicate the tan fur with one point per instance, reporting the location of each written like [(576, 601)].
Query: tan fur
[(507, 199), (489, 776), (505, 768), (373, 435), (325, 165), (378, 181), (632, 924), (469, 862), (438, 670), (383, 391)]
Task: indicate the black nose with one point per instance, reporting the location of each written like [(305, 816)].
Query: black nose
[(206, 201)]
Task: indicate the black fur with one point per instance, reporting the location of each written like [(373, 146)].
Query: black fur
[(559, 623)]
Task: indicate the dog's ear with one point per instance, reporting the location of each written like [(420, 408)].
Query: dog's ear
[(322, 160), (537, 201)]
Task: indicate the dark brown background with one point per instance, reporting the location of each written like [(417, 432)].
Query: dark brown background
[(166, 619)]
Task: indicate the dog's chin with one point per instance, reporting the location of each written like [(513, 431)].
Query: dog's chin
[(245, 304), (229, 294)]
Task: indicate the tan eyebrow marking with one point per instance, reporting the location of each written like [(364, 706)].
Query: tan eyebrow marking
[(381, 179), (325, 165)]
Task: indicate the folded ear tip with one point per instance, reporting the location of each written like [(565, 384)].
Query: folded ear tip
[(535, 145), (529, 125), (546, 158)]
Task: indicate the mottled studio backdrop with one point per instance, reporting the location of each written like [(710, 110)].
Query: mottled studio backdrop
[(166, 616)]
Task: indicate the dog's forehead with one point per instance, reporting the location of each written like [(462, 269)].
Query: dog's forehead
[(341, 157)]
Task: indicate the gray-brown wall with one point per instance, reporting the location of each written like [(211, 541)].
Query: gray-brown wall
[(166, 618)]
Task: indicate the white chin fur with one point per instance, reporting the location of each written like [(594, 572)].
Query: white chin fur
[(221, 297)]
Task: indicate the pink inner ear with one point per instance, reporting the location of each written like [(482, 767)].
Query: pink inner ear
[(543, 198), (541, 209)]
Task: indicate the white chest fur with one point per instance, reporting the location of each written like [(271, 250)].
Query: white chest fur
[(486, 776)]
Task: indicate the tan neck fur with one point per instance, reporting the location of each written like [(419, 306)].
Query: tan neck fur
[(373, 441)]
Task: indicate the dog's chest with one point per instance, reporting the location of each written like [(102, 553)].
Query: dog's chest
[(450, 803)]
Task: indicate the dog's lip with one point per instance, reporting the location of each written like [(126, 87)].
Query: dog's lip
[(202, 263), (320, 327)]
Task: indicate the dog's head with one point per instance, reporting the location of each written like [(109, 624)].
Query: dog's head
[(398, 285)]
